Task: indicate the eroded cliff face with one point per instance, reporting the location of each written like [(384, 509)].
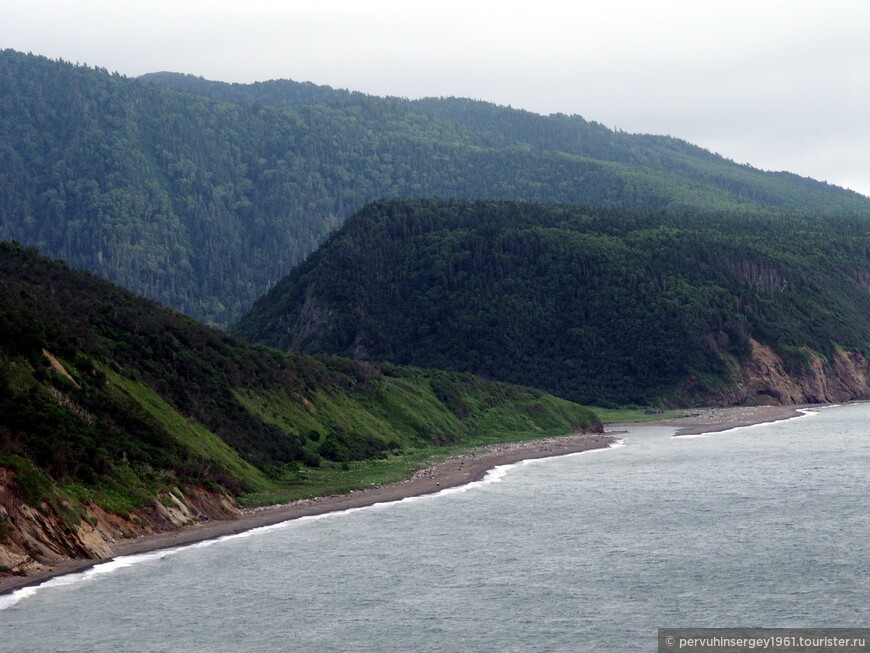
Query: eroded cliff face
[(763, 379), (34, 538)]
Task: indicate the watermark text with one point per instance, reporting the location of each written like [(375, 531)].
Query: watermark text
[(780, 640)]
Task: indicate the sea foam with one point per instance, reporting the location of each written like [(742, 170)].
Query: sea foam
[(103, 568), (495, 475), (805, 412)]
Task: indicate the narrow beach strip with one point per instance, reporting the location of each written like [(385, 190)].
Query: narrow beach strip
[(453, 472), (714, 420)]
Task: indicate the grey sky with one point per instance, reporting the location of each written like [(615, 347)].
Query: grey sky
[(783, 85)]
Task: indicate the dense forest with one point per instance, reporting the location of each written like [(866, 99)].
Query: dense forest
[(109, 398), (202, 195), (602, 306)]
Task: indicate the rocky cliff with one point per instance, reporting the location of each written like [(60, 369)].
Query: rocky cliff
[(34, 538), (762, 378)]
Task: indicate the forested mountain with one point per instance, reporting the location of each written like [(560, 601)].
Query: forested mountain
[(598, 305), (203, 195), (492, 125), (111, 404)]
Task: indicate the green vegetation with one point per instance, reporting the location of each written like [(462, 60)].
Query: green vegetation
[(636, 415), (602, 306), (190, 434), (202, 195), (109, 398)]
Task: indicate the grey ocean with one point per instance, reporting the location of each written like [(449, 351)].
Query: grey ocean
[(761, 526)]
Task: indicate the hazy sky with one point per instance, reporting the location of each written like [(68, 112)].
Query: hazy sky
[(783, 85)]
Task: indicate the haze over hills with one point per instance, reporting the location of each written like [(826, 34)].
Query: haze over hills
[(602, 306), (202, 195), (121, 417)]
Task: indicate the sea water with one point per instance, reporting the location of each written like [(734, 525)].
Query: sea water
[(761, 526)]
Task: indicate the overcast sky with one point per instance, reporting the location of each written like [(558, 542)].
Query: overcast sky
[(782, 85)]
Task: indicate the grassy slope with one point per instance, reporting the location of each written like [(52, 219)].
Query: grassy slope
[(143, 400)]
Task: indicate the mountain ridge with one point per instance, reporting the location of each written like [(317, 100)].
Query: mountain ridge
[(204, 202), (528, 128)]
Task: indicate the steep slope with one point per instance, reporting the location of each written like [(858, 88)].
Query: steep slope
[(672, 160), (600, 306), (120, 417), (204, 197)]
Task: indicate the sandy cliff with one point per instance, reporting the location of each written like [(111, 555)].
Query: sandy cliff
[(35, 538), (762, 378)]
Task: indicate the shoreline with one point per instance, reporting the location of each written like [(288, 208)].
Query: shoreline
[(454, 472), (715, 420)]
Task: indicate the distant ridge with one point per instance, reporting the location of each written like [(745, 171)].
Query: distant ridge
[(202, 195)]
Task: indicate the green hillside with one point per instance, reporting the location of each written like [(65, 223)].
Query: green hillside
[(109, 398), (204, 195), (685, 172), (598, 306)]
